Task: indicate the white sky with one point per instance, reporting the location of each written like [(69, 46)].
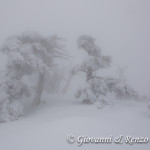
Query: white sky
[(121, 27)]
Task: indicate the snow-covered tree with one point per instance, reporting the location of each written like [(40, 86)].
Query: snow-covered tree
[(95, 60), (32, 52), (11, 91), (96, 87)]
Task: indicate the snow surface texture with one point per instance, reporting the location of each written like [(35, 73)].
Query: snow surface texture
[(48, 126), (63, 115)]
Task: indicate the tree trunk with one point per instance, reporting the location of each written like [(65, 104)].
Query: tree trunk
[(67, 84), (39, 89)]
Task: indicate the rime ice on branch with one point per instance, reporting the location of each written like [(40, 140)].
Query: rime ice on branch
[(28, 53)]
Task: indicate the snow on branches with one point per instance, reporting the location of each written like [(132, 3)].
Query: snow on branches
[(28, 53)]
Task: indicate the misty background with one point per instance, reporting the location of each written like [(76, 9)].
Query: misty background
[(121, 28)]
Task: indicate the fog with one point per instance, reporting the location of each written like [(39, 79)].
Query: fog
[(121, 28)]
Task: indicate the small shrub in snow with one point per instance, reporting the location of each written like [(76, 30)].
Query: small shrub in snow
[(9, 109), (95, 91), (11, 90)]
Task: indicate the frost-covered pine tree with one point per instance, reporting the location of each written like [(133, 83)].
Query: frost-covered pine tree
[(96, 87), (34, 53)]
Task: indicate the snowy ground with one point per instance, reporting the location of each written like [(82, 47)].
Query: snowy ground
[(46, 127)]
